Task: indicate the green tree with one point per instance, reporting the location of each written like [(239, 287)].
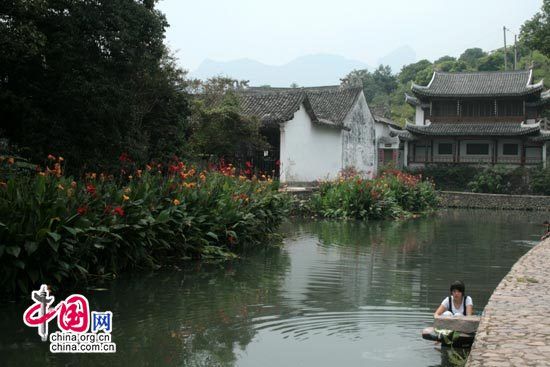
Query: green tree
[(535, 32), (416, 72), (89, 80), (471, 56), (217, 126)]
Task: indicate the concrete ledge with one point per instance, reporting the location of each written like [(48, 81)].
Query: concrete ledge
[(456, 199), (466, 324), (515, 327)]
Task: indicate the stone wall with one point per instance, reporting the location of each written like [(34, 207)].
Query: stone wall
[(515, 327), (455, 199)]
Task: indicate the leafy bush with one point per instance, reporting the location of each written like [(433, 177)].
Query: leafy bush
[(394, 194), (490, 180), (54, 228), (501, 180), (540, 181), (451, 176)]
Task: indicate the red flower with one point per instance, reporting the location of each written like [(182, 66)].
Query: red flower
[(82, 210), (118, 211), (90, 189), (248, 164), (124, 157)]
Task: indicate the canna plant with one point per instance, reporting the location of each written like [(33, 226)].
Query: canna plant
[(55, 229)]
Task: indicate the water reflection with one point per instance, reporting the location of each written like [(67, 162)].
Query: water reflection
[(335, 294)]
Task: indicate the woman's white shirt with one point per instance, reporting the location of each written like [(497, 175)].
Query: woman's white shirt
[(457, 310)]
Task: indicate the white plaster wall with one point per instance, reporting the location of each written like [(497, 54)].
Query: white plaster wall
[(419, 117), (309, 151), (359, 143)]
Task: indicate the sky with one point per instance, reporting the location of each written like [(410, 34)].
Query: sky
[(276, 32)]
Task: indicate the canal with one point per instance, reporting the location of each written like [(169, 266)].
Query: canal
[(333, 294)]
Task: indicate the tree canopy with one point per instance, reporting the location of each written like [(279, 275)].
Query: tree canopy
[(89, 80)]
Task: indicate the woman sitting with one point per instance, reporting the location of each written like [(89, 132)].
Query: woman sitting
[(457, 304)]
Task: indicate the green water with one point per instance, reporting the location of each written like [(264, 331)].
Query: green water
[(334, 294)]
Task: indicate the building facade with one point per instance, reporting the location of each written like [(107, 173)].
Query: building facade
[(477, 118), (388, 146), (315, 132)]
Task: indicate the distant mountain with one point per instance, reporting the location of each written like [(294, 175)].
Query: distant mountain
[(399, 57), (306, 71)]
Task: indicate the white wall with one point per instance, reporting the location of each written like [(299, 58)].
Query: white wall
[(419, 117), (309, 151), (359, 143)]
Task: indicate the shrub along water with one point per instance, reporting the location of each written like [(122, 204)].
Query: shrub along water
[(394, 194), (54, 229)]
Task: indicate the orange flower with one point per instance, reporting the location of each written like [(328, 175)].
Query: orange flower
[(176, 202), (125, 197)]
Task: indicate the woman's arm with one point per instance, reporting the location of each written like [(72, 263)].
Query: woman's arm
[(469, 310), (440, 310)]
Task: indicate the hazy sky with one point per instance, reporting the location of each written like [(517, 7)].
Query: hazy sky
[(277, 31)]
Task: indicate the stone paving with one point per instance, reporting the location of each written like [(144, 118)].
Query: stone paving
[(515, 327)]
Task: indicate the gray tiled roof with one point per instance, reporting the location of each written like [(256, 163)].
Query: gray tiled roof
[(271, 107), (387, 121), (474, 129), (543, 136), (402, 134), (479, 84), (329, 105)]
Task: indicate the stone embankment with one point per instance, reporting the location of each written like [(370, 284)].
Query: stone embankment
[(515, 327), (456, 199)]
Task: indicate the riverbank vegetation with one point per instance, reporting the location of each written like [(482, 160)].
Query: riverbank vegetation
[(392, 195), (497, 179), (54, 228)]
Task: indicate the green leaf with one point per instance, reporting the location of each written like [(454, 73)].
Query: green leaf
[(70, 230), (30, 247), (163, 216), (13, 250), (54, 245), (213, 235), (55, 236)]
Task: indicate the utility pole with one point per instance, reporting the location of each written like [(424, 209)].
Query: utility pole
[(515, 51), (504, 32)]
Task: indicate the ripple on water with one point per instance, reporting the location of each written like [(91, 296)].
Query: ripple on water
[(344, 323)]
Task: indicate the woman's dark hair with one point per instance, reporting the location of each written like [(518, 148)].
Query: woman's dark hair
[(458, 285)]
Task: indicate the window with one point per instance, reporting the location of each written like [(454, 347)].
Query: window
[(444, 108), (478, 108), (477, 149), (510, 108), (420, 153), (445, 148), (510, 149)]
